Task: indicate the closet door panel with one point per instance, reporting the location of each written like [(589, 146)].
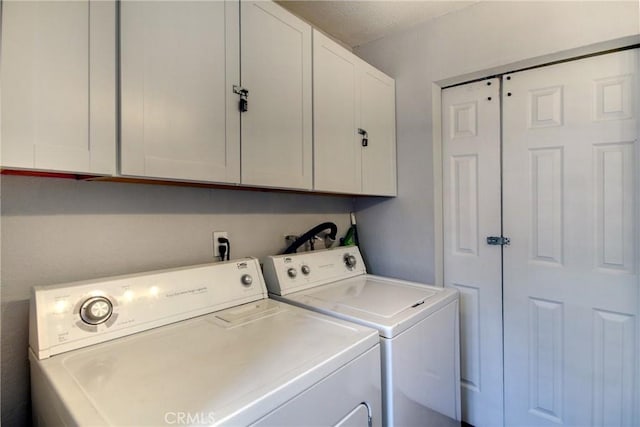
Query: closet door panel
[(471, 178), (571, 273)]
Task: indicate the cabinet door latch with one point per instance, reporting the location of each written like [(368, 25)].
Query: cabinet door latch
[(365, 137), (243, 105), (498, 241)]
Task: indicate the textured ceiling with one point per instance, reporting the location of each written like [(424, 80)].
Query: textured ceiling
[(357, 22)]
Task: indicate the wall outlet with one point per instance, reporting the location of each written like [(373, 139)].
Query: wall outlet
[(216, 244)]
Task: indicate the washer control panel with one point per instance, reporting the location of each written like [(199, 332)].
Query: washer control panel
[(285, 274), (74, 315)]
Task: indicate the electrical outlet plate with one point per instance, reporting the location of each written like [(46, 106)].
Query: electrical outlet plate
[(216, 235)]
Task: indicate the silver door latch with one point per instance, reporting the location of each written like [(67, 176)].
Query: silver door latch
[(498, 241)]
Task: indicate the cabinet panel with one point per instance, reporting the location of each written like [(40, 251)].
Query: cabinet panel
[(102, 81), (377, 117), (179, 62), (58, 100), (350, 95), (276, 69), (337, 158)]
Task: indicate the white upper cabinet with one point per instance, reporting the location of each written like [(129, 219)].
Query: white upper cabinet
[(180, 79), (58, 70), (336, 149), (354, 123), (276, 70), (378, 119), (179, 63)]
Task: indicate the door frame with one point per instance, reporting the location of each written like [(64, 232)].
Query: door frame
[(438, 178)]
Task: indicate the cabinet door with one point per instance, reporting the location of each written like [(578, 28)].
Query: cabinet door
[(58, 86), (276, 69), (378, 119), (179, 62), (336, 143)]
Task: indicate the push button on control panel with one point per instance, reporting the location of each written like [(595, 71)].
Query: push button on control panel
[(96, 310)]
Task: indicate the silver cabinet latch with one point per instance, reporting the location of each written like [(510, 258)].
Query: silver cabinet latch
[(498, 241), (243, 105), (365, 137)]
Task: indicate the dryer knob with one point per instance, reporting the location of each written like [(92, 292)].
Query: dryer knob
[(292, 272), (305, 270), (246, 279), (96, 310), (350, 261)]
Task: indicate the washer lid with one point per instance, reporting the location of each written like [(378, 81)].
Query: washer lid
[(231, 367), (373, 297), (389, 305)]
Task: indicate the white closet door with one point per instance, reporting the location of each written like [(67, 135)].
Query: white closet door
[(571, 272), (180, 117), (276, 69), (471, 174)]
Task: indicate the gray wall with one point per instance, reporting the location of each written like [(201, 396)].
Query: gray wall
[(488, 37), (58, 230)]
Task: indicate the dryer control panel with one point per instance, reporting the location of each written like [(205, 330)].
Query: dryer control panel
[(70, 316), (289, 273)]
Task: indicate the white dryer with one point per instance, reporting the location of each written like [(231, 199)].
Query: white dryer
[(196, 346), (418, 327)]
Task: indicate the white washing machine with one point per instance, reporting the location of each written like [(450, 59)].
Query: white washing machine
[(418, 326), (196, 346)]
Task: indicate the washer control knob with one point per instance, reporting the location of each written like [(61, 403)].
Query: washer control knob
[(292, 272), (305, 270), (96, 310), (246, 279), (350, 261)]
